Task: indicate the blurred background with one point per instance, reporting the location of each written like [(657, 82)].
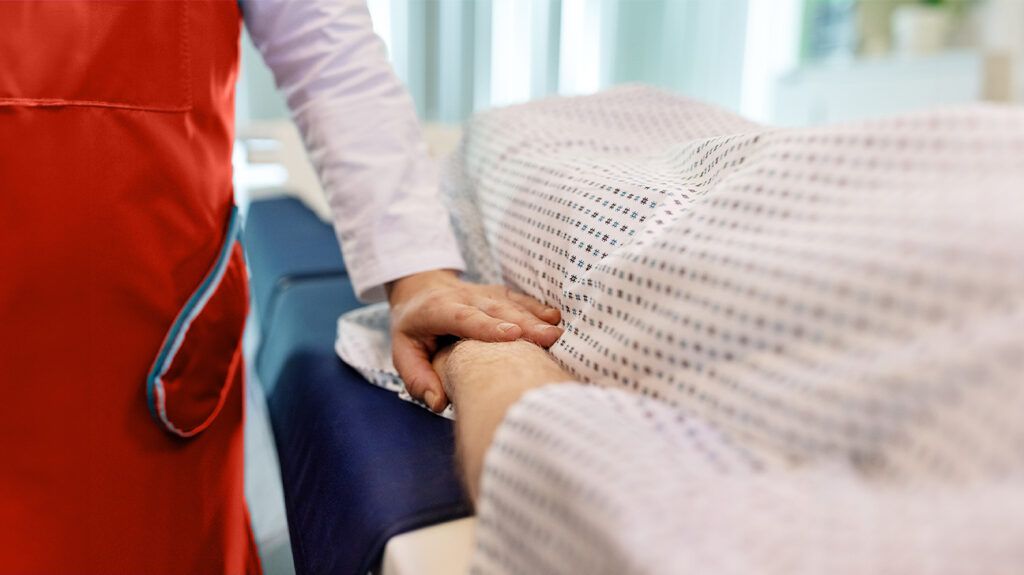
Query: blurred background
[(778, 61), (783, 62)]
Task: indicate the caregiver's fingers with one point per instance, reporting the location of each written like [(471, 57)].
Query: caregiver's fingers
[(534, 328), (542, 311), (412, 360), (467, 322), (440, 364)]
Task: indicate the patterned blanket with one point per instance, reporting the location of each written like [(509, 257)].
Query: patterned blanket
[(844, 296)]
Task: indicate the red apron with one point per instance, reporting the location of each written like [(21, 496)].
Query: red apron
[(122, 291)]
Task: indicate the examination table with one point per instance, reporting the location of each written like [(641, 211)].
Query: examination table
[(358, 465)]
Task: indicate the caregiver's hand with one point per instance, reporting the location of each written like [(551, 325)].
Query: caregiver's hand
[(429, 305)]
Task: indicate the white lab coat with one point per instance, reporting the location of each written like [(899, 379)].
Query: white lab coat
[(361, 131)]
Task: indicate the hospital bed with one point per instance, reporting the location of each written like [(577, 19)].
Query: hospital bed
[(359, 467)]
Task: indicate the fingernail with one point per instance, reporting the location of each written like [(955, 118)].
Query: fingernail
[(550, 310), (429, 398), (506, 326), (547, 327)]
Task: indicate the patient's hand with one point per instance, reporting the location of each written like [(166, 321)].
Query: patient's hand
[(434, 304), (483, 380)]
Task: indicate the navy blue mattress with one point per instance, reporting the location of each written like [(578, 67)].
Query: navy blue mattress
[(358, 465)]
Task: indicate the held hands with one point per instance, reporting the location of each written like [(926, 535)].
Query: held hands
[(435, 304)]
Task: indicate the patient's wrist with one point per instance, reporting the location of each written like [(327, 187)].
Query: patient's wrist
[(483, 380), (473, 367)]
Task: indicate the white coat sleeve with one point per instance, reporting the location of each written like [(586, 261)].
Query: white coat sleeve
[(361, 131)]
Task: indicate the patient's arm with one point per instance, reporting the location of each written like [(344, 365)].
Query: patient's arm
[(483, 380)]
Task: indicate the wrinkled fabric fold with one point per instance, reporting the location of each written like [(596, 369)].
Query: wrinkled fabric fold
[(807, 341)]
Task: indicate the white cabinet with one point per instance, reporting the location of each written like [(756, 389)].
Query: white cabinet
[(838, 92)]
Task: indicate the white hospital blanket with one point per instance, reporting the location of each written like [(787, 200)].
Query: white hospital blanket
[(823, 331)]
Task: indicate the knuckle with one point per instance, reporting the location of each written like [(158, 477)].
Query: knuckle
[(463, 314), (416, 385), (494, 308), (414, 390)]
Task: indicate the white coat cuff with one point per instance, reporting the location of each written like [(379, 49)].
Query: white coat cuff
[(369, 281)]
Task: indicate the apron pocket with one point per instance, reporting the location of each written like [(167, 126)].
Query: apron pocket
[(110, 53), (189, 381)]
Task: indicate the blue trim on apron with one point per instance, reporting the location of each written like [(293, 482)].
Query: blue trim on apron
[(193, 307)]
